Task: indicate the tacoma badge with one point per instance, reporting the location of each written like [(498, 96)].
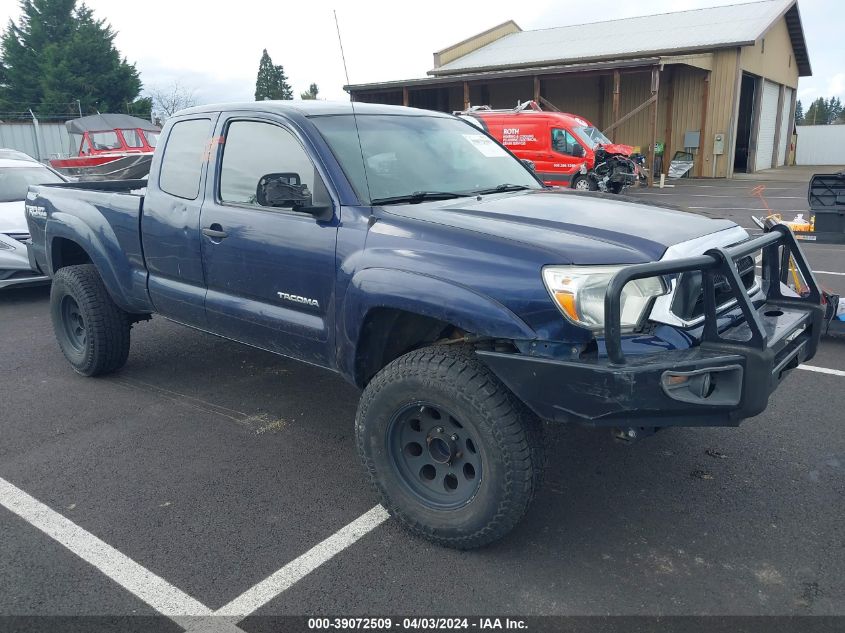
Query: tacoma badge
[(297, 299)]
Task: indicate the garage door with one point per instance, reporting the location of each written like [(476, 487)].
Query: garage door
[(768, 124), (784, 125)]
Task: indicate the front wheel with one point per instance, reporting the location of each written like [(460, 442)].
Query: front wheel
[(451, 452), (583, 182), (92, 331)]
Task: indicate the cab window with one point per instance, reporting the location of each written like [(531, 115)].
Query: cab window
[(264, 165), (564, 143), (181, 165)]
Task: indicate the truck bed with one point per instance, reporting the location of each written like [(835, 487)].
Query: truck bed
[(105, 219)]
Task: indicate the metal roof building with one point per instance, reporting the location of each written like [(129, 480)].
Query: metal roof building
[(717, 82)]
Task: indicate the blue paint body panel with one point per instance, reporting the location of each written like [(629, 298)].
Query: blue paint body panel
[(473, 262)]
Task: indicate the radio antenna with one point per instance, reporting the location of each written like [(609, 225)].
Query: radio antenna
[(352, 105)]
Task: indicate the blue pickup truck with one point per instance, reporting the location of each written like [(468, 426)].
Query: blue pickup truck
[(411, 253)]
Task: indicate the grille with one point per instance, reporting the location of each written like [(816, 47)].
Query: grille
[(688, 303)]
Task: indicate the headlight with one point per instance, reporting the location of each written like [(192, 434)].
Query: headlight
[(579, 293)]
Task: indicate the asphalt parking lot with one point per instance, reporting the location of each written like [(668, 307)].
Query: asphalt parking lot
[(207, 477)]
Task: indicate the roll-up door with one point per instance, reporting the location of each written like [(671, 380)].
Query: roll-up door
[(767, 126), (784, 125)]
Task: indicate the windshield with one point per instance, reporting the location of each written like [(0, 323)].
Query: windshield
[(405, 155), (132, 138), (152, 137), (592, 136), (14, 181), (104, 140)]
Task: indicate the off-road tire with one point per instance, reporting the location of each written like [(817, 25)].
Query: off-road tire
[(103, 346), (509, 435), (590, 185)]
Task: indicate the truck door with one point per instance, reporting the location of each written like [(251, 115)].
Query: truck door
[(170, 222), (270, 270), (566, 158)]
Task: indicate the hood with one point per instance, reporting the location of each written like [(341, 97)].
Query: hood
[(13, 217), (618, 148), (574, 228)]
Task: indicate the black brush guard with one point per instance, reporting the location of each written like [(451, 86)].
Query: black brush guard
[(720, 261), (729, 376)]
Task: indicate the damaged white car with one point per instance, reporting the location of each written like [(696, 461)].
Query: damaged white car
[(17, 172)]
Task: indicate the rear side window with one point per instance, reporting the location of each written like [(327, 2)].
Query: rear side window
[(181, 165)]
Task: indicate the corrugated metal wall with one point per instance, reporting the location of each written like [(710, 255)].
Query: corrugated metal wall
[(474, 43), (686, 88), (722, 102), (506, 93), (576, 95), (634, 89), (52, 139), (820, 145)]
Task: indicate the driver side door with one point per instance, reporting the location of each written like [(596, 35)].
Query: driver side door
[(566, 158), (270, 270)]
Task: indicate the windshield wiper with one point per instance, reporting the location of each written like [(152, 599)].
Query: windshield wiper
[(419, 196), (502, 188)]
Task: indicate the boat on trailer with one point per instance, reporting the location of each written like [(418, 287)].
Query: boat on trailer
[(109, 147)]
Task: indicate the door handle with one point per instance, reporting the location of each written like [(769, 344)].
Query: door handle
[(215, 232)]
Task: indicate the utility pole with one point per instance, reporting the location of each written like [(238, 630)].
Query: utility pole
[(79, 105)]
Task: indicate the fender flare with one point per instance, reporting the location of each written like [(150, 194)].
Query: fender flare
[(421, 294), (105, 253)]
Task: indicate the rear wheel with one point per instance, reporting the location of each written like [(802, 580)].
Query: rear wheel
[(583, 182), (452, 453), (93, 333)]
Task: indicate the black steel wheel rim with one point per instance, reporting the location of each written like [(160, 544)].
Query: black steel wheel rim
[(435, 455), (74, 323)]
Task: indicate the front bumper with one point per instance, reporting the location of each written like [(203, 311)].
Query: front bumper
[(15, 268), (729, 376)]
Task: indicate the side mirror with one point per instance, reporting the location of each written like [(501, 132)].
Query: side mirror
[(528, 163), (286, 190), (578, 151)]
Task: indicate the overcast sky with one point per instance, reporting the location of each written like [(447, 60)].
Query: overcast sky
[(214, 47)]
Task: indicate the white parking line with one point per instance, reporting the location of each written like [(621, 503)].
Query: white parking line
[(160, 594), (822, 370), (141, 582), (259, 595)]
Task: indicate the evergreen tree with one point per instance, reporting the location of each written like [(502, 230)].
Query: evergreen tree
[(271, 81), (58, 53), (834, 110), (142, 108), (310, 94), (799, 113), (817, 113)]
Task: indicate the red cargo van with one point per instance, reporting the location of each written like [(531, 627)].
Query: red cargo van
[(564, 148)]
